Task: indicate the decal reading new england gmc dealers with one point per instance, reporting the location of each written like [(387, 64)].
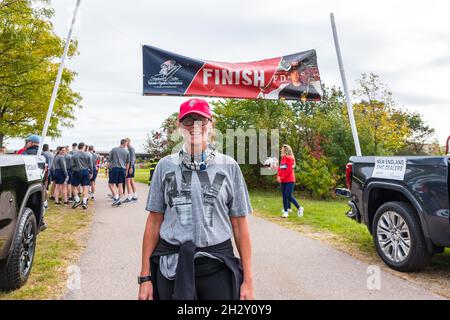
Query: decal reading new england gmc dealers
[(389, 168)]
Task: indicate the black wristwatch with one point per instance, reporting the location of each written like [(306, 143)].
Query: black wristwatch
[(144, 279)]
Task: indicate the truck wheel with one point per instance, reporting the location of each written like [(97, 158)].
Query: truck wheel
[(399, 238), (15, 272)]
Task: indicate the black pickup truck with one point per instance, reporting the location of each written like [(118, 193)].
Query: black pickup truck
[(404, 202), (21, 216)]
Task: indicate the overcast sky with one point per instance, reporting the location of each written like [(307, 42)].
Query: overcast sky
[(407, 43)]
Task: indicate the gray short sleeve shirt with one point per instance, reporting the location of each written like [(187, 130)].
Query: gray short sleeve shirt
[(119, 157), (197, 205)]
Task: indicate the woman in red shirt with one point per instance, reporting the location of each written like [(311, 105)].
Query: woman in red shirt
[(286, 178)]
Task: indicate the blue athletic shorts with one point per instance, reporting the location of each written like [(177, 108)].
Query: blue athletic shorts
[(130, 175), (94, 175), (59, 176), (81, 177), (70, 173), (116, 176)]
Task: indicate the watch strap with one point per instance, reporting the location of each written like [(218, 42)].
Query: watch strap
[(144, 279)]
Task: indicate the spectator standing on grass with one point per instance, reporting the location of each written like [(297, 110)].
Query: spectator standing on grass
[(131, 187), (32, 145), (118, 164), (83, 169), (286, 177)]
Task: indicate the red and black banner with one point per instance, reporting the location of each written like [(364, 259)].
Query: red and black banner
[(291, 77)]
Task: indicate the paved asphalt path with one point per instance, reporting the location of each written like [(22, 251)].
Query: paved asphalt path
[(286, 265)]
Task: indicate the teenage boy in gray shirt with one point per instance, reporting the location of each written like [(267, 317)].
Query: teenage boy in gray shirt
[(131, 187), (119, 161), (82, 168)]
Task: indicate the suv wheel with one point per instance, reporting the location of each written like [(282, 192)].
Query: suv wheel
[(398, 237), (15, 272)]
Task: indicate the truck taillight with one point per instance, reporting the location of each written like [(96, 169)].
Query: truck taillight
[(348, 175)]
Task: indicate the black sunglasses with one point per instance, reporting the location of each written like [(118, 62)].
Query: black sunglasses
[(189, 121)]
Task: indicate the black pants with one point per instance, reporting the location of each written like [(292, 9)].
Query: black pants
[(213, 281)]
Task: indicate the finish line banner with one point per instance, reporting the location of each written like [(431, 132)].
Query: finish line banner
[(291, 77)]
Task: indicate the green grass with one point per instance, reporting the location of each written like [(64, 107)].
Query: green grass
[(320, 216), (57, 247), (142, 175)]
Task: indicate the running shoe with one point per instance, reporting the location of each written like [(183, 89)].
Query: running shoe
[(117, 203), (76, 204), (300, 212)]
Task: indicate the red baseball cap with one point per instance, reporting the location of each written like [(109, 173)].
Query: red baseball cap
[(196, 106)]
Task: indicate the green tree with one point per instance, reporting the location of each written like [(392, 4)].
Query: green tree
[(419, 135), (316, 174), (382, 128), (29, 61), (162, 142), (257, 115)]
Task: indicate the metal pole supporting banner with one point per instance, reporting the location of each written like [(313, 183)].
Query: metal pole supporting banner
[(58, 80), (344, 83)]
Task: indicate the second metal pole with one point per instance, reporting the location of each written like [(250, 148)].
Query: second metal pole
[(344, 83), (58, 81)]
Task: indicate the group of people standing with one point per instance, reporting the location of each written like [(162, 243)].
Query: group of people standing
[(72, 174)]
